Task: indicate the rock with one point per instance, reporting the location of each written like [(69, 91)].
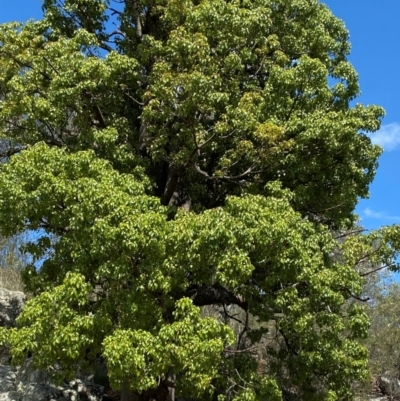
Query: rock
[(25, 384), (389, 385), (11, 303)]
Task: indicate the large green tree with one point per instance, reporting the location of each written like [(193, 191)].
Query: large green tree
[(177, 154)]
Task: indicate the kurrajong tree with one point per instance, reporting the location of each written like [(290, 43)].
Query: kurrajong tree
[(177, 154)]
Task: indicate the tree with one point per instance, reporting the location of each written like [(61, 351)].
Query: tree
[(182, 154), (383, 342), (380, 296), (383, 294)]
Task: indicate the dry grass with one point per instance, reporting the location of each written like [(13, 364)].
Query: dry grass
[(10, 279), (12, 261)]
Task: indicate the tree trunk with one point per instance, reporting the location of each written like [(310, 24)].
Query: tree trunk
[(171, 390), (161, 393), (128, 395), (170, 186)]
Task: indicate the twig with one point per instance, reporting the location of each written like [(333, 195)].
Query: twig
[(247, 172), (355, 296), (231, 316), (350, 232), (245, 327), (240, 377), (12, 151), (132, 98), (51, 65), (239, 351), (367, 256), (114, 11), (335, 207), (373, 271), (199, 170)]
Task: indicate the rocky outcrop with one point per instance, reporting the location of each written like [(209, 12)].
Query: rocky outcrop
[(383, 388), (24, 384), (11, 303), (389, 386)]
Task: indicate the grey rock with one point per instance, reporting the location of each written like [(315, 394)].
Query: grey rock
[(11, 304), (25, 384), (389, 385)]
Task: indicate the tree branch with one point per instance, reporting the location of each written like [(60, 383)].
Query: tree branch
[(350, 232), (170, 186), (240, 351), (51, 65), (345, 289), (368, 255), (245, 328), (231, 316), (12, 151), (138, 22), (373, 271)]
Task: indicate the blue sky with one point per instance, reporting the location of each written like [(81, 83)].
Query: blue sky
[(374, 34), (19, 10)]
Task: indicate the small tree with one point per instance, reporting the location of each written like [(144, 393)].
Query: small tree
[(180, 154), (383, 342)]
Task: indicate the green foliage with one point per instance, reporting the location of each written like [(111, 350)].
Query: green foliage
[(53, 327), (200, 155), (191, 345)]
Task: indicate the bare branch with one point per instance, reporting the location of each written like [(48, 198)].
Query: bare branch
[(373, 271), (334, 207), (350, 232), (114, 11), (170, 186), (231, 316), (198, 169), (250, 170), (97, 111), (368, 255), (136, 101), (352, 295), (206, 142), (12, 151), (240, 351), (245, 328), (51, 65), (236, 177), (99, 116), (240, 377)]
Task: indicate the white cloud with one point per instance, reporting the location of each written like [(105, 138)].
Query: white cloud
[(388, 136), (380, 215)]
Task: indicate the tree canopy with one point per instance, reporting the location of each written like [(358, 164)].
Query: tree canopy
[(175, 155)]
